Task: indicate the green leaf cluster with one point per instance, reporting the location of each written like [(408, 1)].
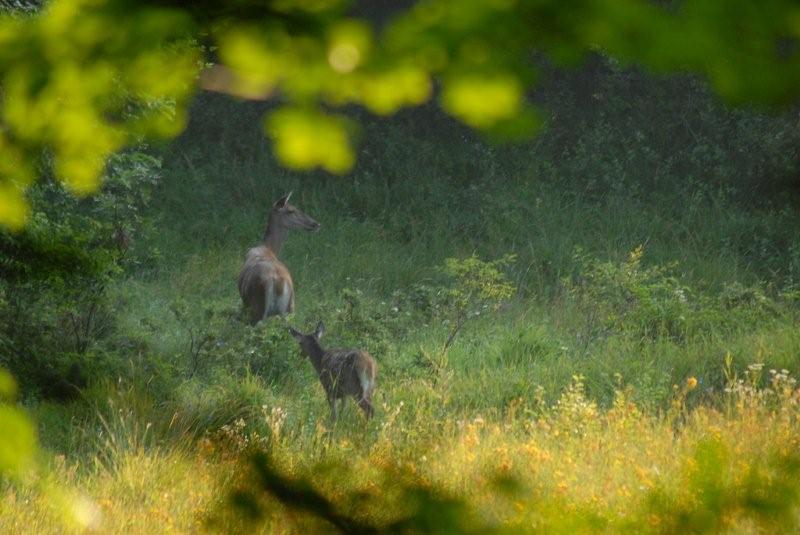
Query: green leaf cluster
[(18, 442), (478, 284), (84, 78)]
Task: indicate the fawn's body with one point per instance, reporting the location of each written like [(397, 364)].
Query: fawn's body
[(265, 283), (342, 372)]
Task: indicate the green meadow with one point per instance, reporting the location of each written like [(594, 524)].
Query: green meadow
[(639, 377)]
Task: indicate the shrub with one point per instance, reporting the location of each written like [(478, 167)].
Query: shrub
[(627, 298), (218, 341), (361, 323), (55, 274), (477, 287)]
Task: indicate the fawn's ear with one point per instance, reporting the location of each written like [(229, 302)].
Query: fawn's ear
[(280, 203), (297, 334), (319, 331)]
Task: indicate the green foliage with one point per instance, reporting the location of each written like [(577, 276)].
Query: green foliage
[(18, 443), (478, 287), (219, 340), (715, 481), (82, 91), (649, 303), (478, 284), (767, 493), (641, 301), (72, 85), (57, 272), (362, 324), (267, 353), (427, 299), (529, 344), (178, 384), (304, 140)]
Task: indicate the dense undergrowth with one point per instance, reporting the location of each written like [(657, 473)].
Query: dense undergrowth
[(638, 379)]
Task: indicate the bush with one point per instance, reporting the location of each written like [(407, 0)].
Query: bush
[(54, 305), (626, 298), (218, 341)]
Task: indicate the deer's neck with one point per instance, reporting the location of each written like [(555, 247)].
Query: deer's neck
[(274, 236), (315, 356)]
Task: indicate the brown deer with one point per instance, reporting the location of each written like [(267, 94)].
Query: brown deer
[(342, 372), (264, 282)]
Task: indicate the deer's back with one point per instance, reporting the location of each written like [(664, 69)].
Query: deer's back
[(343, 369), (263, 271)]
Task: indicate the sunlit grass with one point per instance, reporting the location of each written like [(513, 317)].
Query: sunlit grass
[(536, 468)]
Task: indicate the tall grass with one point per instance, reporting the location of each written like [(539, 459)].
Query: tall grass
[(534, 468)]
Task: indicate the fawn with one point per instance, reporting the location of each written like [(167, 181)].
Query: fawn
[(342, 372)]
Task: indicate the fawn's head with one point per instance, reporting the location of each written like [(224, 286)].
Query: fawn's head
[(309, 343), (289, 217)]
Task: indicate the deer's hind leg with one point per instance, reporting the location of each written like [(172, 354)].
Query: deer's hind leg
[(367, 385), (255, 307), (269, 299), (366, 405)]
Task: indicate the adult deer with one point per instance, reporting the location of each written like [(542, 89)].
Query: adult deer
[(342, 372), (265, 283)]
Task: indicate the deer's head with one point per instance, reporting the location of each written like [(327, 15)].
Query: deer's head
[(289, 217), (309, 343)]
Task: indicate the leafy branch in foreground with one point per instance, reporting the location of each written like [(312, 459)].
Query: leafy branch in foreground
[(423, 509), (84, 78)]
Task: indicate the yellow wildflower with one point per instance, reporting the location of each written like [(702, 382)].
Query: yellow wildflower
[(691, 383)]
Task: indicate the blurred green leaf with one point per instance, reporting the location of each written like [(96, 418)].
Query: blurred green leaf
[(18, 442), (84, 78), (77, 82), (14, 209), (482, 101), (349, 44), (8, 387), (305, 139), (258, 64)]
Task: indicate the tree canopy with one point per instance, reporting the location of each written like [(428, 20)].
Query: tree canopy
[(81, 79)]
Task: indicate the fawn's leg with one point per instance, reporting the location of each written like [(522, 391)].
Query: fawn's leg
[(334, 408)]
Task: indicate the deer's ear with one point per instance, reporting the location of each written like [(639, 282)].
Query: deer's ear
[(319, 331), (297, 334), (280, 203)]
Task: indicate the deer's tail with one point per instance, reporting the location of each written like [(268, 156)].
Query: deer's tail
[(366, 377), (365, 371)]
